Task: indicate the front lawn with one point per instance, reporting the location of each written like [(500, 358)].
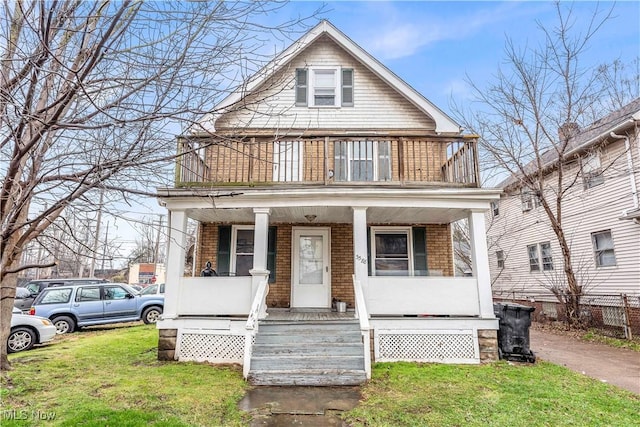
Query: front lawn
[(110, 377)]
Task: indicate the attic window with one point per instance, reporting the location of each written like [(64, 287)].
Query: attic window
[(324, 87)]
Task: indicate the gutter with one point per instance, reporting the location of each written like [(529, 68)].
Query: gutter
[(633, 213)]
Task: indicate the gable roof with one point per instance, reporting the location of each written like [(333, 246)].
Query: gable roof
[(617, 121), (444, 123)]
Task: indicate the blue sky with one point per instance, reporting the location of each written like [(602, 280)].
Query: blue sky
[(434, 45)]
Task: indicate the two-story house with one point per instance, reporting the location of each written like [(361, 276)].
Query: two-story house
[(324, 190), (600, 216)]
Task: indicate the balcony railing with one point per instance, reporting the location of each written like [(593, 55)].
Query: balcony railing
[(328, 160)]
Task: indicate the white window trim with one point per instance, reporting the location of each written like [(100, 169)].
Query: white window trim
[(234, 244), (392, 230), (596, 250), (540, 258), (311, 99), (592, 175)]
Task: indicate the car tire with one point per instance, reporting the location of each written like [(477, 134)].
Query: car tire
[(21, 339), (63, 324), (151, 315)]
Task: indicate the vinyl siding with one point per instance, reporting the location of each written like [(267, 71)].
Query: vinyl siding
[(584, 212), (376, 105)]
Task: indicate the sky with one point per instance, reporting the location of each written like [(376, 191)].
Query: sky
[(436, 46)]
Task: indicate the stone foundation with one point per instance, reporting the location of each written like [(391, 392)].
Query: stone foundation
[(488, 343), (167, 344)]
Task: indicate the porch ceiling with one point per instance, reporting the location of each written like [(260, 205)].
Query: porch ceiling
[(330, 215), (331, 205)]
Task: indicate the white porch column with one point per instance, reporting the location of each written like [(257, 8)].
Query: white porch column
[(260, 247), (175, 262), (480, 262), (360, 255)]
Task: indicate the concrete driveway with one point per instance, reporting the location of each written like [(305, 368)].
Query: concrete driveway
[(617, 366)]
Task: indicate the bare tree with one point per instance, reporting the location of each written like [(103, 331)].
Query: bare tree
[(529, 114), (92, 95)]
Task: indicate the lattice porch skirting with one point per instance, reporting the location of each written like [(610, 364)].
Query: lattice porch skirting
[(214, 346), (440, 346)]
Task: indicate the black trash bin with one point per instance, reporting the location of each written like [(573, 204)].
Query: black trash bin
[(513, 335)]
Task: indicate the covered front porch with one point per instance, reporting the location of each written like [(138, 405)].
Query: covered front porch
[(406, 301)]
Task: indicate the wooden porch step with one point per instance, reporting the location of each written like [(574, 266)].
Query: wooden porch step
[(307, 362), (308, 377), (308, 353)]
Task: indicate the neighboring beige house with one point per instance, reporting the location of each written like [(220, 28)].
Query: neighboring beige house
[(601, 216), (324, 190), (146, 273)]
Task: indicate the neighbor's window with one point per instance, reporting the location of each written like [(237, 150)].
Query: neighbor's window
[(540, 255), (324, 87), (534, 262), (391, 252), (547, 257), (591, 171), (242, 250), (495, 209), (603, 248), (500, 258), (362, 161)]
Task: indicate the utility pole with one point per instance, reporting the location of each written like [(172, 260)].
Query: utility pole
[(104, 247), (96, 237)]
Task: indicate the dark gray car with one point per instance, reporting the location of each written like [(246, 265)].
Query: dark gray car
[(26, 293)]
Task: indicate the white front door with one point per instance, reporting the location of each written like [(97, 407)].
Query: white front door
[(311, 273)]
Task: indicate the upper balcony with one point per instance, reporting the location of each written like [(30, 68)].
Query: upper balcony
[(350, 160)]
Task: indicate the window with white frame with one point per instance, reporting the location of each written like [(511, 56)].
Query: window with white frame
[(603, 248), (500, 258), (495, 208), (362, 161), (324, 87), (591, 171), (391, 251), (534, 260), (242, 250), (547, 256), (287, 160), (529, 200), (540, 257)]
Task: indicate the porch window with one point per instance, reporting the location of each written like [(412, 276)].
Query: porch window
[(603, 249), (362, 161), (235, 251), (391, 252), (287, 160), (242, 251)]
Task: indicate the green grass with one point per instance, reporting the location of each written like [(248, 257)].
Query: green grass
[(613, 342), (111, 377), (500, 394)]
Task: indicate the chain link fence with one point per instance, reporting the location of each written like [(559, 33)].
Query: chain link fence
[(612, 315)]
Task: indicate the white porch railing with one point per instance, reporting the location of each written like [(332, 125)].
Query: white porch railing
[(393, 295), (214, 296), (258, 311), (363, 316)]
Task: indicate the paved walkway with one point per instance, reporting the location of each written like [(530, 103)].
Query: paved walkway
[(617, 366)]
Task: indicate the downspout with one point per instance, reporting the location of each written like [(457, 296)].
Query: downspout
[(632, 175)]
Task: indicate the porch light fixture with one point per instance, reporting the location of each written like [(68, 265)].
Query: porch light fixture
[(310, 218)]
